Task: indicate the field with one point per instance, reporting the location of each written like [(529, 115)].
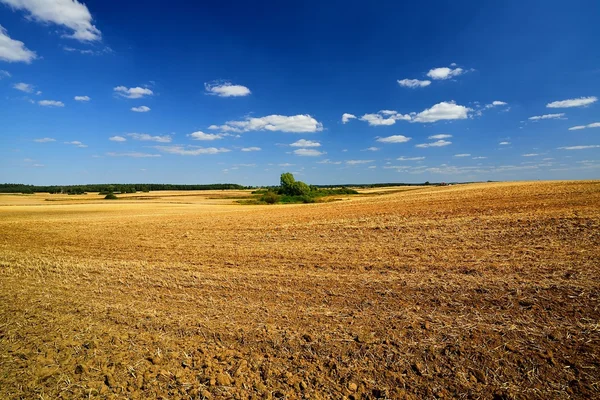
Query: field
[(474, 291)]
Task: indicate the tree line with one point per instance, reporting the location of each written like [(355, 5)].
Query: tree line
[(110, 188)]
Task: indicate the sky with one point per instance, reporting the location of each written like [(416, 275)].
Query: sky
[(106, 91)]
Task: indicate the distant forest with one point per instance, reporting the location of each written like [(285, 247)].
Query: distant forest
[(147, 187)]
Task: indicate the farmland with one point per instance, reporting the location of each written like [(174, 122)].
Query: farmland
[(484, 290)]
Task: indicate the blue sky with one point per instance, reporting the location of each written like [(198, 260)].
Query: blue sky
[(335, 92)]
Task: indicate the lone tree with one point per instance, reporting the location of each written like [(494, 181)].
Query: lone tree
[(292, 187)]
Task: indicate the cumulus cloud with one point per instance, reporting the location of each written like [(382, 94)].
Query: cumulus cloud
[(23, 87), (413, 83), (496, 103), (44, 140), (140, 109), (394, 139), (305, 143), (440, 136), (444, 73), (68, 13), (547, 116), (443, 111), (308, 152), (438, 143), (149, 138), (13, 50), (133, 93), (117, 139), (191, 150), (302, 123), (133, 154), (199, 135), (251, 149), (82, 98), (579, 102), (51, 103), (358, 162), (226, 89), (384, 117), (579, 127), (77, 143), (592, 146), (347, 117)]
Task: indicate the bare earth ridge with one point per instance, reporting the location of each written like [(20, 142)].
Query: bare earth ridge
[(471, 291)]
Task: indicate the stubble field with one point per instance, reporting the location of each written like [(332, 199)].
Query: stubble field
[(472, 291)]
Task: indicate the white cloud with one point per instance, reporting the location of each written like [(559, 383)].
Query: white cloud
[(547, 116), (133, 154), (357, 162), (479, 158), (133, 93), (77, 143), (82, 98), (592, 125), (579, 102), (372, 149), (328, 161), (443, 111), (302, 123), (13, 50), (140, 109), (462, 155), (496, 103), (444, 73), (530, 155), (592, 146), (44, 140), (23, 87), (308, 152), (117, 139), (4, 74), (51, 103), (384, 117), (305, 143), (226, 89), (438, 143), (148, 138), (504, 143), (413, 83), (394, 139), (286, 165), (410, 158), (441, 136), (347, 117), (199, 135), (105, 50), (191, 150), (68, 13), (251, 149)]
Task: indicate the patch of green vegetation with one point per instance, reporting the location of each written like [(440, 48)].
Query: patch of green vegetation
[(111, 196)]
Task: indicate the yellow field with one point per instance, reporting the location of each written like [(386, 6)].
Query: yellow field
[(470, 291)]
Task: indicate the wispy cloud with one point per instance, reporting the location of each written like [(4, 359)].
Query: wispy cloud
[(579, 102), (82, 98), (358, 162), (308, 152), (248, 149), (437, 143), (133, 154), (23, 87), (191, 150), (149, 138), (547, 116), (305, 143), (462, 155), (413, 83), (51, 103), (440, 136), (133, 93), (44, 140), (77, 143), (140, 109), (14, 50), (591, 146), (67, 13), (579, 127), (384, 117), (410, 158), (226, 89), (199, 135), (394, 139), (117, 139), (328, 161)]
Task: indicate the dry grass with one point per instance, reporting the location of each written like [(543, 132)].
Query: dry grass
[(468, 291)]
